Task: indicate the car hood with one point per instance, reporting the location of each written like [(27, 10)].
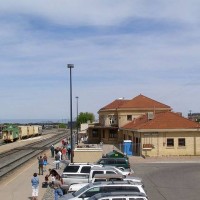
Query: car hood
[(67, 196), (75, 187)]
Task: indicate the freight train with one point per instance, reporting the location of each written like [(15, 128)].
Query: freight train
[(11, 133)]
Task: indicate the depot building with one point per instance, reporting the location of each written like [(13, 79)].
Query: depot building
[(152, 128)]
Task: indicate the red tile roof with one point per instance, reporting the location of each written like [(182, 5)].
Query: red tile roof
[(142, 101), (115, 104), (165, 120), (139, 102)]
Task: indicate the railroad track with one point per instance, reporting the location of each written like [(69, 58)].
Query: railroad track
[(18, 156)]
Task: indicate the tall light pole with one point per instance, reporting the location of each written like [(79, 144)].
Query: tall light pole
[(77, 119), (70, 66)]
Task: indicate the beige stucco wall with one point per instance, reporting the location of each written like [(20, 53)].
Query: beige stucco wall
[(87, 154), (159, 142)]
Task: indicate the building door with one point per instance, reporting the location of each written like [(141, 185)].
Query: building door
[(137, 146)]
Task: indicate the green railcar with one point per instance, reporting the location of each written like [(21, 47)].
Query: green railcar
[(10, 133)]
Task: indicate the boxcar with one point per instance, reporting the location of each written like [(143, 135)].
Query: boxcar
[(37, 130)]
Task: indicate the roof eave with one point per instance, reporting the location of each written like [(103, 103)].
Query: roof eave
[(168, 130)]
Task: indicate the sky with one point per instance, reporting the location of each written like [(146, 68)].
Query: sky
[(119, 48)]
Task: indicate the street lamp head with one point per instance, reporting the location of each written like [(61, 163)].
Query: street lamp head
[(77, 97), (70, 65)]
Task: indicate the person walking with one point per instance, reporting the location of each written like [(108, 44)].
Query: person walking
[(52, 151), (69, 153), (35, 186), (57, 187), (60, 154), (40, 165), (64, 151), (44, 162), (57, 161)]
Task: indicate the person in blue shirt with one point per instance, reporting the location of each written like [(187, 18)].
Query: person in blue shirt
[(35, 186)]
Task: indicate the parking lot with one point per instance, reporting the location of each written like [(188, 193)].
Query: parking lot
[(170, 181)]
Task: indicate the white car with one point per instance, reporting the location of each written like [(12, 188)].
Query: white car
[(105, 177), (119, 195), (123, 171), (101, 187)]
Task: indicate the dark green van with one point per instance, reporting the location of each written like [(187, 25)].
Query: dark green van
[(117, 162), (115, 154)]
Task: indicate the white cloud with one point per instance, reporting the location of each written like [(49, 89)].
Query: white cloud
[(125, 48)]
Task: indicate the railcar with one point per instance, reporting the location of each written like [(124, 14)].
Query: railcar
[(10, 133), (29, 131)]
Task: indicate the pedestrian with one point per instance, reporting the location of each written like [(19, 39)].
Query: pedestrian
[(69, 153), (40, 165), (52, 175), (64, 151), (35, 186), (52, 151), (57, 187), (60, 154), (56, 150), (44, 162), (57, 161)]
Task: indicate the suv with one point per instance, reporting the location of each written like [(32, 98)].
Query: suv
[(76, 173), (79, 168), (103, 187), (103, 178), (117, 162), (119, 196)]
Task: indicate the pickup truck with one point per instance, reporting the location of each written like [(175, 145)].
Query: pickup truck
[(105, 177), (82, 176)]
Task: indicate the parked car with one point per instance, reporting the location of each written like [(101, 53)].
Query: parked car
[(115, 154), (119, 196), (117, 162), (103, 187), (76, 173), (123, 171), (103, 178)]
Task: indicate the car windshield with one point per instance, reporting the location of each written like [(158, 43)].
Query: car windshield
[(75, 194), (118, 170)]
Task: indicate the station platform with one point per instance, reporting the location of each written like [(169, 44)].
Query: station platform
[(17, 186)]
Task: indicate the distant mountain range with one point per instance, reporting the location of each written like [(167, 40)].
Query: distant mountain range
[(27, 121)]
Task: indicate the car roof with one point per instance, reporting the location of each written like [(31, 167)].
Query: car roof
[(103, 168), (125, 158), (89, 164), (123, 182), (108, 176), (124, 194)]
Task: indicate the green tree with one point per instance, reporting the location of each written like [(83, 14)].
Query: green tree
[(85, 117), (61, 125)]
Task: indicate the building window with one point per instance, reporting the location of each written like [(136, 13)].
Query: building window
[(170, 142), (95, 133), (113, 120), (112, 134), (181, 142), (129, 117)]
